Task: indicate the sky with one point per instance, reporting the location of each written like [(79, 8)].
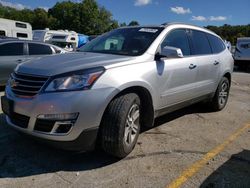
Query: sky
[(146, 12)]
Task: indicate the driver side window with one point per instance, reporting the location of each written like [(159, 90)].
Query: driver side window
[(178, 39)]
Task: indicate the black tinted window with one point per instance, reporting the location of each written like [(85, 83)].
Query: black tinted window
[(200, 43), (216, 44), (178, 39), (21, 25), (39, 49), (22, 35), (11, 49), (2, 33)]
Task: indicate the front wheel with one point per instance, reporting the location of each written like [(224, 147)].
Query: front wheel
[(121, 125), (221, 96)]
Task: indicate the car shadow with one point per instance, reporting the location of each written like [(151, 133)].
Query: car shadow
[(233, 173), (193, 109), (22, 156)]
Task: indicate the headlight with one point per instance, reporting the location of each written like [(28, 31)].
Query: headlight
[(74, 81)]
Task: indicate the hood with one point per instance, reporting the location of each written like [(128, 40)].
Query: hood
[(62, 63)]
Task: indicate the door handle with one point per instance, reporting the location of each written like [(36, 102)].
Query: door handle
[(192, 66), (216, 63), (19, 60)]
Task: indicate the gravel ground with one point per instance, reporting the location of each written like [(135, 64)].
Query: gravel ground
[(161, 155)]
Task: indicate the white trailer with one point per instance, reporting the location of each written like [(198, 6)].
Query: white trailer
[(62, 38), (16, 29)]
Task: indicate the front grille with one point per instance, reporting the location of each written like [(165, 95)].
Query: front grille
[(19, 120), (44, 125), (26, 85)]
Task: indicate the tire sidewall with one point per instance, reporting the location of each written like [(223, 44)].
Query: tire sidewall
[(127, 149), (224, 80)]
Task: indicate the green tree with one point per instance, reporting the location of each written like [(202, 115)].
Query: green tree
[(66, 15), (123, 24), (86, 17), (42, 20), (133, 23)]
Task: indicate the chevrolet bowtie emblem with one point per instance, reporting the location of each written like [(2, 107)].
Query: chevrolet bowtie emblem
[(13, 83)]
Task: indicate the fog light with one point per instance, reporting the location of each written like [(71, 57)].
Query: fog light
[(63, 127), (59, 117)]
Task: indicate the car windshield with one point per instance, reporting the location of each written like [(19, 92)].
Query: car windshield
[(131, 41)]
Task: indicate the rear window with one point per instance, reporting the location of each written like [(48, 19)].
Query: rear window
[(37, 35), (59, 37), (200, 43), (217, 44), (39, 49), (245, 45), (11, 49), (21, 25)]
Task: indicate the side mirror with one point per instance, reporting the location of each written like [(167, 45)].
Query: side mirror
[(170, 52)]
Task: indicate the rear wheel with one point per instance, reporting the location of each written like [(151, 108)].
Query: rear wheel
[(221, 96), (121, 125)]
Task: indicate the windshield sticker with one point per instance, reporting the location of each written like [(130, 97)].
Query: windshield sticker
[(148, 30)]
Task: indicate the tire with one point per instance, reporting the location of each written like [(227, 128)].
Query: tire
[(220, 98), (121, 125)]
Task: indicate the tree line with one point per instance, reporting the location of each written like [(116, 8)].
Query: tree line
[(231, 33), (89, 18), (86, 17)]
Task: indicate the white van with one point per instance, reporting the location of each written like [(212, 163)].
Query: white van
[(63, 38), (16, 29)]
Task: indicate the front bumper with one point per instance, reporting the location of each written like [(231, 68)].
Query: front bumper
[(90, 104)]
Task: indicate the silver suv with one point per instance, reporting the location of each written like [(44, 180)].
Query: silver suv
[(120, 82)]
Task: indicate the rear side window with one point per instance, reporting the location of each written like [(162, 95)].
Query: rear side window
[(39, 49), (178, 39), (11, 49), (200, 43), (217, 44)]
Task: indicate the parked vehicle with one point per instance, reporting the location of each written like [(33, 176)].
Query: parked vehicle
[(13, 52), (120, 83), (228, 45), (68, 40), (16, 29), (242, 52)]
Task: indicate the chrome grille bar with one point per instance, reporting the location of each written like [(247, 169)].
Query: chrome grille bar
[(26, 85)]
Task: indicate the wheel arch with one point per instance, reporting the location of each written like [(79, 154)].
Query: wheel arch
[(228, 76), (147, 102)]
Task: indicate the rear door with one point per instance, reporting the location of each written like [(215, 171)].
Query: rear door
[(207, 63), (218, 47), (177, 82), (11, 54)]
